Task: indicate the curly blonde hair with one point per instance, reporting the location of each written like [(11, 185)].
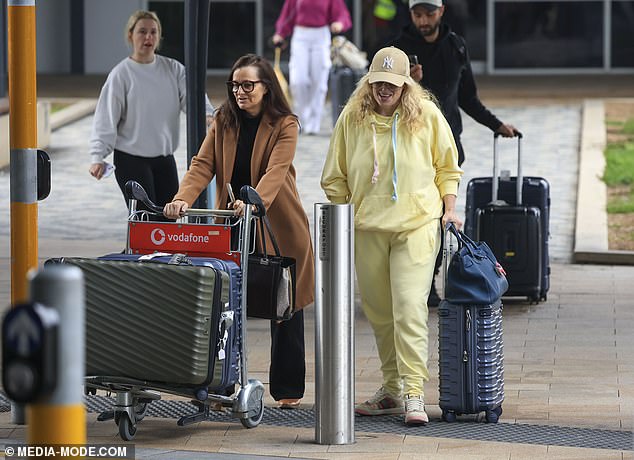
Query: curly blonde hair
[(362, 102)]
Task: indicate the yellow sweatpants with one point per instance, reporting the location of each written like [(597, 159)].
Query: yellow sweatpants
[(395, 271)]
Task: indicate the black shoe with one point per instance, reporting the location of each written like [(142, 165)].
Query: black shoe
[(433, 300)]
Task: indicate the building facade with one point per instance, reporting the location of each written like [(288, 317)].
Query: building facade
[(504, 36)]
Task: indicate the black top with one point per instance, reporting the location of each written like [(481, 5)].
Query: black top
[(246, 138), (447, 74)]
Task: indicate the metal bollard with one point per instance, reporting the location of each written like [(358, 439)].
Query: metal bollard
[(334, 324), (61, 417)]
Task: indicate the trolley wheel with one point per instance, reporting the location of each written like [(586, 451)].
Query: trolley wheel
[(491, 416), (448, 416), (127, 429), (256, 411), (140, 409)]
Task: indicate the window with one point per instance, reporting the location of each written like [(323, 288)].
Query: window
[(541, 34), (622, 37), (231, 30)]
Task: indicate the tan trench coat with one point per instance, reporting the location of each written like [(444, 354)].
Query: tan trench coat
[(273, 177)]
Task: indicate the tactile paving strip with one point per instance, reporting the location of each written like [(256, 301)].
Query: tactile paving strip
[(469, 428)]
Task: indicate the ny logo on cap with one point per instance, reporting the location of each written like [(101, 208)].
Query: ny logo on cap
[(388, 63)]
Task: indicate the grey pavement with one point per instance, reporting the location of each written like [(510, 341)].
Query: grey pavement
[(569, 366), (81, 208)]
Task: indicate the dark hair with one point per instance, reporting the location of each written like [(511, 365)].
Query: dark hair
[(274, 103)]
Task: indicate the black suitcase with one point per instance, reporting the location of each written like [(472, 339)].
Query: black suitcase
[(470, 360), (514, 235), (341, 83), (480, 224), (170, 320)]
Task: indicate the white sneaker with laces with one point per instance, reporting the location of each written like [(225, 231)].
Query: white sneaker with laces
[(415, 411)]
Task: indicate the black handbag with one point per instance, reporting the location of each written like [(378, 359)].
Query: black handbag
[(271, 281), (474, 276)]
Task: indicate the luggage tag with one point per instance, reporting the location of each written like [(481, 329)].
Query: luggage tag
[(223, 344)]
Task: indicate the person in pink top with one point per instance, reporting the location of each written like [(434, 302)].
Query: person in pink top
[(310, 22)]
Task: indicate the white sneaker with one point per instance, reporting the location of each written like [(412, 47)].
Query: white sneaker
[(415, 411)]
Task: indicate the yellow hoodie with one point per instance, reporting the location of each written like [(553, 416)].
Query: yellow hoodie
[(359, 169)]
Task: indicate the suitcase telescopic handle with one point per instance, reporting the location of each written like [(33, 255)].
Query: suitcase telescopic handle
[(496, 172)]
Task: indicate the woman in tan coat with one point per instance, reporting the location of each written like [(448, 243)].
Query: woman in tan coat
[(252, 141)]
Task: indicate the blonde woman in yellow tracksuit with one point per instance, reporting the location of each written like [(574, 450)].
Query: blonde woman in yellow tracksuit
[(393, 156)]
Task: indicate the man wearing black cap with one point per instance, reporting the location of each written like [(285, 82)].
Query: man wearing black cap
[(444, 69)]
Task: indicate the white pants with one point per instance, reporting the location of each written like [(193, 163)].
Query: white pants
[(309, 65)]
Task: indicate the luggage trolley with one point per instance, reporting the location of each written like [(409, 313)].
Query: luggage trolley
[(201, 246)]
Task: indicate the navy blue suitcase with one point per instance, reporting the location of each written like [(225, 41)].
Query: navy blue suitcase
[(470, 360), (481, 225), (168, 319)]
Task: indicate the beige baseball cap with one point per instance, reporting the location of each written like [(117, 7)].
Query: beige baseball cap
[(390, 65)]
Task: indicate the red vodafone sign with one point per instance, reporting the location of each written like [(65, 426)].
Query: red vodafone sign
[(191, 239)]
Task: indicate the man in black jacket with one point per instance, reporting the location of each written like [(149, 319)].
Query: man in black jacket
[(444, 68)]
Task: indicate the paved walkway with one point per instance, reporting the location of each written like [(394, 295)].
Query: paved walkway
[(81, 208), (568, 361)]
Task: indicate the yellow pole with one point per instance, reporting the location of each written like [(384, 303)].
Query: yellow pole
[(23, 144)]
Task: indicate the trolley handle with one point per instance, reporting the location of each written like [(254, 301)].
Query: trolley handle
[(135, 191)]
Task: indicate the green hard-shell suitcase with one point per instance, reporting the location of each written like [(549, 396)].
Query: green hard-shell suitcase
[(159, 322)]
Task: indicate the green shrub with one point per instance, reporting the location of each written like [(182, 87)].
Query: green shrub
[(57, 106), (619, 168), (628, 126), (621, 205)]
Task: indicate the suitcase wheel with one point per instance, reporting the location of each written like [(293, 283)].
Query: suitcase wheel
[(127, 429), (492, 416), (448, 416)]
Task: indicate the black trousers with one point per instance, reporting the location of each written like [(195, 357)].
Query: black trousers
[(157, 175), (287, 374)]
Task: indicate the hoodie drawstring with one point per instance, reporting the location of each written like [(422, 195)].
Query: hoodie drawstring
[(375, 172), (394, 175)]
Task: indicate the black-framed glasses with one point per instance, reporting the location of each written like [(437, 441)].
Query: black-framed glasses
[(246, 85)]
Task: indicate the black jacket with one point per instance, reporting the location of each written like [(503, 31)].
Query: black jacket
[(447, 74)]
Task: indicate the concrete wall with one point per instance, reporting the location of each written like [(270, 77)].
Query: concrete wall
[(53, 36), (4, 140), (105, 43), (43, 131)]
